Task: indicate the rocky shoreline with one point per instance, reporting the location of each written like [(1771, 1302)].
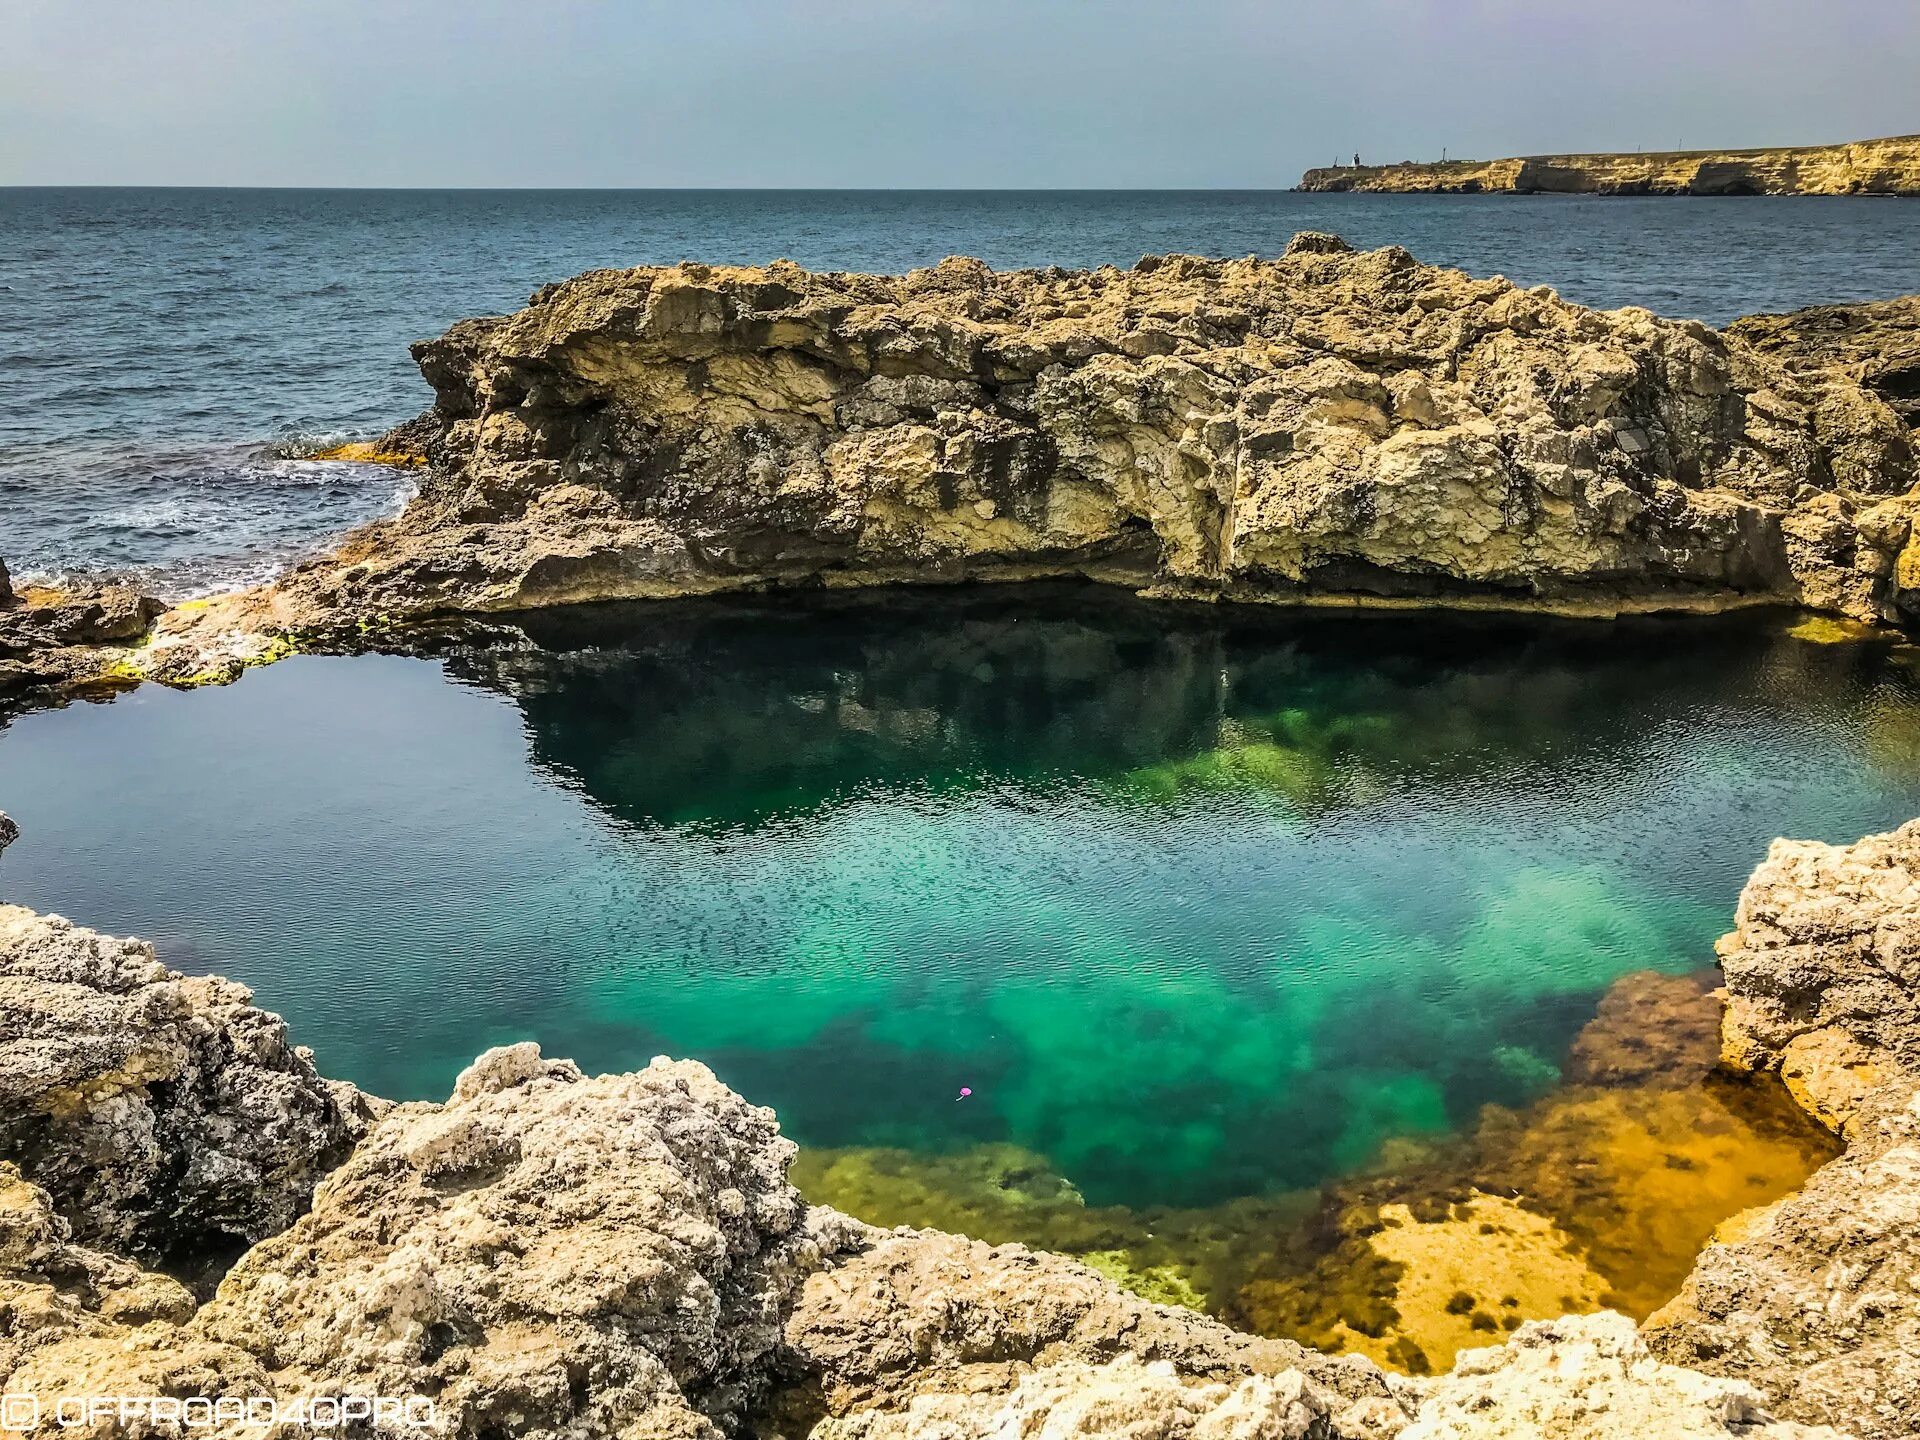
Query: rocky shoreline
[(188, 1208), (1325, 428), (1865, 167)]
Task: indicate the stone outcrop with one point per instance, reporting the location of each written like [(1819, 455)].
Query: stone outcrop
[(1816, 1298), (917, 1328), (170, 1120), (1865, 167), (53, 637), (546, 1254), (1877, 343), (83, 1323), (9, 830), (550, 1254), (1327, 427), (1590, 1376), (1823, 970)]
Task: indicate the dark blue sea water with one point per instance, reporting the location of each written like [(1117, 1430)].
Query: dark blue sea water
[(162, 351)]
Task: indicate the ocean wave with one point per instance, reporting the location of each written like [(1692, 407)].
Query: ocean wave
[(305, 444)]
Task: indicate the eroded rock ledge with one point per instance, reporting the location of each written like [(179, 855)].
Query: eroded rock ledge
[(553, 1254), (1325, 427)]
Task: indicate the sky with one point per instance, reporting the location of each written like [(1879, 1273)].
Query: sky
[(914, 93)]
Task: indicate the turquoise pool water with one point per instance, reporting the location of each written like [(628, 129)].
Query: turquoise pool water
[(1197, 903)]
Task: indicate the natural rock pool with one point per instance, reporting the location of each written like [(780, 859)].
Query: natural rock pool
[(1205, 908)]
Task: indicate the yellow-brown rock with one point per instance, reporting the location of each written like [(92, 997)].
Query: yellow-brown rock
[(1865, 167)]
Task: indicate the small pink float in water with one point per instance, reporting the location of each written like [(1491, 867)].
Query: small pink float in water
[(965, 1090)]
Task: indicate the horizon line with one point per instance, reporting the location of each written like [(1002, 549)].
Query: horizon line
[(708, 189)]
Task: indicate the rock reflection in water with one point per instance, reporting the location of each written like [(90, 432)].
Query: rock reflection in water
[(1206, 905)]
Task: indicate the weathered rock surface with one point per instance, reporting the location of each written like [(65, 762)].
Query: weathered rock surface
[(1816, 1298), (1876, 343), (1865, 167), (550, 1254), (170, 1120), (80, 1323), (1823, 969), (891, 1339), (1326, 425), (52, 637), (9, 830), (1590, 1377), (546, 1254)]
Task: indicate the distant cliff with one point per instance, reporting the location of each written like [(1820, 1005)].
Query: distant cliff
[(1866, 167)]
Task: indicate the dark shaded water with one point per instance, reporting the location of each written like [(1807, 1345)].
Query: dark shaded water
[(159, 349), (1198, 903)]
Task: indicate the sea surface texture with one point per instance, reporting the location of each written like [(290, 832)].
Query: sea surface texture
[(166, 355)]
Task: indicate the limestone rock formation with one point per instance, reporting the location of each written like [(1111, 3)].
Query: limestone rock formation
[(1152, 1401), (550, 1254), (1590, 1377), (1816, 1298), (546, 1254), (170, 1120), (77, 1323), (1864, 167), (1823, 969), (50, 637), (1876, 343), (888, 1341), (1328, 425), (1324, 427)]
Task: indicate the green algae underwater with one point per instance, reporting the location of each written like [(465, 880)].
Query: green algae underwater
[(1242, 927)]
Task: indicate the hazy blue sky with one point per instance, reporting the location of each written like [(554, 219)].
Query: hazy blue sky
[(914, 92)]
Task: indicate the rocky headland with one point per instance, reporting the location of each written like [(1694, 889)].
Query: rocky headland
[(188, 1209), (1865, 167), (1327, 427)]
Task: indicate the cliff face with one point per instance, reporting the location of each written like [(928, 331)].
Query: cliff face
[(1866, 167)]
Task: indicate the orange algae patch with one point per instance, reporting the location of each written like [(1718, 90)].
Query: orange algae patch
[(362, 452)]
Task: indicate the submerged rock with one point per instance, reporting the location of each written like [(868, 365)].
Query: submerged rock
[(170, 1120), (9, 830)]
